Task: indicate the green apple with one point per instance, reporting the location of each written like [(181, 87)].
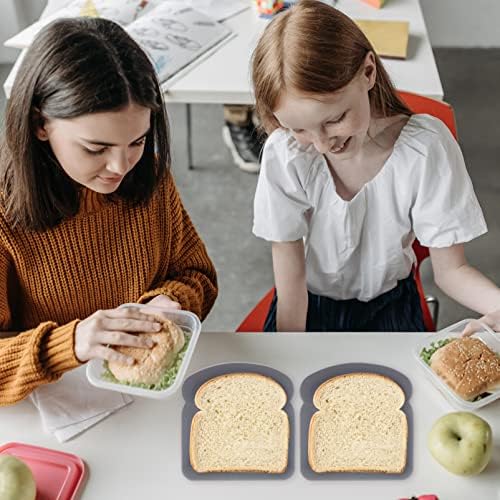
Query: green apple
[(461, 442), (16, 479)]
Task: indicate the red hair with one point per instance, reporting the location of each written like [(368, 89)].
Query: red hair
[(313, 48)]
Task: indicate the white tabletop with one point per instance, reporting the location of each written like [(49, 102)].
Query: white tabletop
[(224, 77), (136, 453)]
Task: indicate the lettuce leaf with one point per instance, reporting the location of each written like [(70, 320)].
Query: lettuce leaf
[(426, 353)]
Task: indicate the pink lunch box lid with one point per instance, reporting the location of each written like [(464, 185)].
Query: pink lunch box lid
[(58, 475)]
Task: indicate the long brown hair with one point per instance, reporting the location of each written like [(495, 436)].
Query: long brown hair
[(315, 49), (75, 67)]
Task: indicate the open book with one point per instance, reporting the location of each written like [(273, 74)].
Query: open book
[(172, 34), (122, 12)]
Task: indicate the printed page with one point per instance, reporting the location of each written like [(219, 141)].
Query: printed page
[(122, 12), (174, 36)]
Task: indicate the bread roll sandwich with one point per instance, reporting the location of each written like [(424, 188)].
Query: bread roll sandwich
[(150, 364), (359, 427), (241, 425), (468, 366)]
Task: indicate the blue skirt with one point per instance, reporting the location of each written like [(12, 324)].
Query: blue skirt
[(397, 310)]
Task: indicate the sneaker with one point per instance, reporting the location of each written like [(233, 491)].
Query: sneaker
[(245, 145)]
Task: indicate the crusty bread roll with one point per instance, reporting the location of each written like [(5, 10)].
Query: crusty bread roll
[(359, 426), (468, 366), (241, 426), (150, 364)]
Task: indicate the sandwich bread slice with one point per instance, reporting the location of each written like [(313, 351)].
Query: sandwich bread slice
[(359, 426), (241, 425)]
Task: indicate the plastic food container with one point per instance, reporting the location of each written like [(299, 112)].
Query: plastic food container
[(190, 325), (58, 475), (486, 335)]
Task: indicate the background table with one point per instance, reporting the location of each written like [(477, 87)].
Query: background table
[(224, 75), (136, 453)]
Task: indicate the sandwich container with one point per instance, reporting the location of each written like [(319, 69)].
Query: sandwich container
[(189, 389), (486, 335), (190, 325), (307, 390)]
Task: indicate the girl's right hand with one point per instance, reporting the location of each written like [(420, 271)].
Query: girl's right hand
[(113, 327)]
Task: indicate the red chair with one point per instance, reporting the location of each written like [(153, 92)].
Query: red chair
[(254, 321)]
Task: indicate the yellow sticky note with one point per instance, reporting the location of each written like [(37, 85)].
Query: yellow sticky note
[(389, 38), (89, 9)]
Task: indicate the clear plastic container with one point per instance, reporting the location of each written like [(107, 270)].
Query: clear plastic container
[(190, 325), (486, 335)]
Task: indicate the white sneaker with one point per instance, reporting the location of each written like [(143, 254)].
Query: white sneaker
[(245, 146)]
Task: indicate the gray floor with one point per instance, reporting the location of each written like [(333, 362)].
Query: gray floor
[(219, 196)]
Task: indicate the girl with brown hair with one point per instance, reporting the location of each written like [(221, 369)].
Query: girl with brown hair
[(90, 217), (349, 178)]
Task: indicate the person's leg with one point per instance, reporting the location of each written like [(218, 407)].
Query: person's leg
[(241, 137)]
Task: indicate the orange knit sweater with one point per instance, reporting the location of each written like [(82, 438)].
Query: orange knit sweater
[(107, 255)]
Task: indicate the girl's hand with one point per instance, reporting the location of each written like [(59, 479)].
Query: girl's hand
[(492, 320), (165, 303), (113, 327)]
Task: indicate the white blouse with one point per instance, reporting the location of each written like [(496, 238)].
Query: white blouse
[(362, 247)]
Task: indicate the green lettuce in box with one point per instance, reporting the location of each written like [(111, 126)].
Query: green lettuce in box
[(427, 352)]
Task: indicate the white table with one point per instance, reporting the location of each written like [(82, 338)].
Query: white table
[(136, 453), (224, 76)]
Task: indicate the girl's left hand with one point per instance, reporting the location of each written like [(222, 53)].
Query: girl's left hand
[(164, 302), (492, 320)]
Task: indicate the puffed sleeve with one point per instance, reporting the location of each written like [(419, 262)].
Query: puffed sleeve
[(445, 210), (280, 203)]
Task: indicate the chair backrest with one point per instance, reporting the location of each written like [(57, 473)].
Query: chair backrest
[(439, 109), (254, 321)]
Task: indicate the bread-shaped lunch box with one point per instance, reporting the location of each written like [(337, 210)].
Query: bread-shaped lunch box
[(359, 425), (241, 425)]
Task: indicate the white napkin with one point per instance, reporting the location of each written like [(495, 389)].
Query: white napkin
[(71, 405)]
